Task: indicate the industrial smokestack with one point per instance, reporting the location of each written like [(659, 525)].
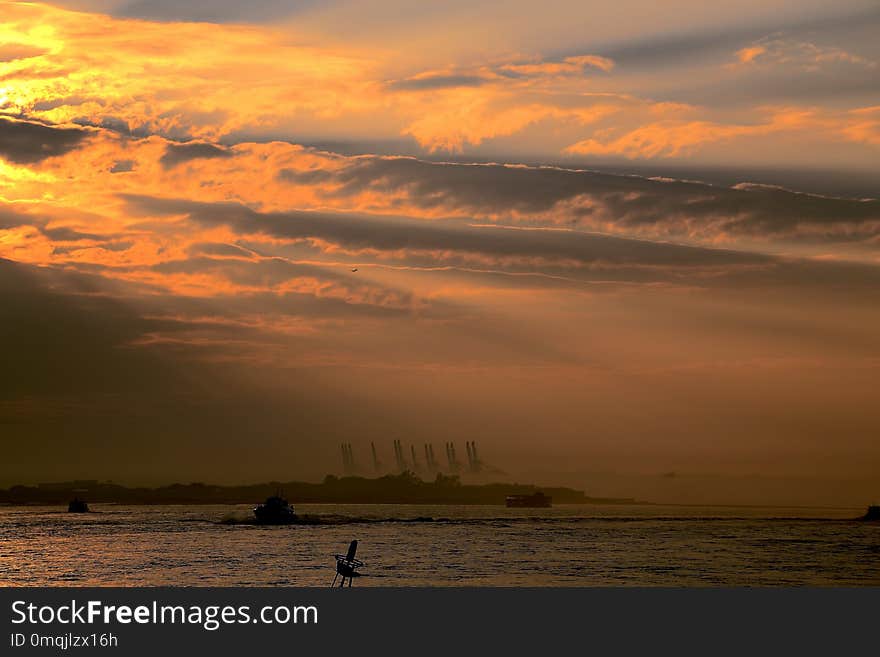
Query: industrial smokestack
[(477, 465), (415, 463), (433, 458), (467, 446)]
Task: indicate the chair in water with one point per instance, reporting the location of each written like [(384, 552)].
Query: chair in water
[(347, 565)]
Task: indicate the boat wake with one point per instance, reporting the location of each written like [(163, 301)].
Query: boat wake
[(327, 519), (333, 519)]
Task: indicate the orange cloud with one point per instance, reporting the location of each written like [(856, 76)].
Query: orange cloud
[(184, 79), (863, 126), (749, 54), (469, 118), (221, 83), (679, 138), (72, 209), (800, 54), (566, 66)]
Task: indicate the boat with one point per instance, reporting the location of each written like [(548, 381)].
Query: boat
[(77, 506), (275, 511), (873, 513), (535, 500)]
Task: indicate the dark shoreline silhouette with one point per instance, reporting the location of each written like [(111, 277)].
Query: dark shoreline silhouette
[(405, 488)]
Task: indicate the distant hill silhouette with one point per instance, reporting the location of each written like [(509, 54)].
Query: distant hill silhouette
[(405, 488)]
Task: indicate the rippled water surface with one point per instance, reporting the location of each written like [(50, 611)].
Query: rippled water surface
[(443, 545)]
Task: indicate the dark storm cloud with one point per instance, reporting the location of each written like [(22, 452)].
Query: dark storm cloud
[(480, 187), (675, 49), (114, 124), (670, 49), (10, 218), (754, 210), (783, 84), (216, 11), (535, 255), (47, 105), (10, 52), (425, 83), (354, 299), (26, 143), (396, 146), (395, 234), (842, 183), (64, 234), (221, 250), (122, 166), (179, 153), (271, 274), (627, 201), (265, 272), (106, 246), (515, 69)]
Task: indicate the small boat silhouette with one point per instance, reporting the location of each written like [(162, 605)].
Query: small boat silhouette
[(275, 511), (77, 506)]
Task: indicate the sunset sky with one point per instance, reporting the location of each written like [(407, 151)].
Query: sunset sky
[(607, 241)]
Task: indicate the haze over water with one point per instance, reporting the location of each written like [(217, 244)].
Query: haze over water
[(405, 545)]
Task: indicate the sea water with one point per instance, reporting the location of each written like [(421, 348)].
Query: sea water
[(403, 545)]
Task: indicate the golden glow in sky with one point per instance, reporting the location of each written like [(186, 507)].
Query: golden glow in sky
[(551, 229)]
